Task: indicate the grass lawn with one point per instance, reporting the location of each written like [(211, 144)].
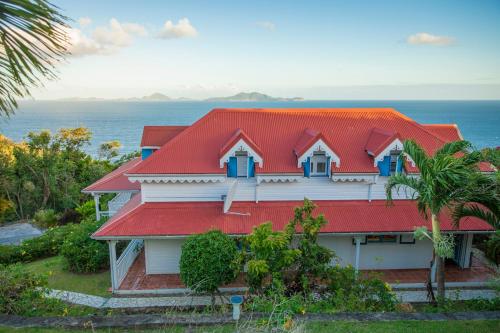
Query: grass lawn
[(334, 327), (94, 284)]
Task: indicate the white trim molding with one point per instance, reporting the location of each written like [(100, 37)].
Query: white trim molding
[(317, 146), (241, 145), (278, 178), (396, 144), (150, 147), (178, 179), (368, 178)]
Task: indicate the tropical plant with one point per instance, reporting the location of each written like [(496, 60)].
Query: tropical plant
[(435, 189), (32, 41), (313, 259), (270, 253), (208, 261), (109, 150), (479, 197)]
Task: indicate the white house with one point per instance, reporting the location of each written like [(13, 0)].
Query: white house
[(234, 169)]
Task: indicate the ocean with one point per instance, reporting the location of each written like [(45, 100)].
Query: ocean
[(479, 121)]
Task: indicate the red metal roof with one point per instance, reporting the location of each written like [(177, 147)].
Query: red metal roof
[(186, 218), (276, 131), (379, 139), (447, 132), (239, 134), (308, 138), (115, 180), (157, 136)]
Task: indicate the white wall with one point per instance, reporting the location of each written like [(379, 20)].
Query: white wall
[(312, 188), (163, 256), (381, 255)]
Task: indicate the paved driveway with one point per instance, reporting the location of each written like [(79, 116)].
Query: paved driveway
[(15, 233)]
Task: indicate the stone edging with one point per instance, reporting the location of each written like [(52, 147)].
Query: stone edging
[(156, 320)]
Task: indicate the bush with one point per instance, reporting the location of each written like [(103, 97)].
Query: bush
[(354, 292), (86, 210), (208, 261), (46, 245), (492, 247), (69, 216), (82, 253), (20, 290), (10, 254), (45, 218)]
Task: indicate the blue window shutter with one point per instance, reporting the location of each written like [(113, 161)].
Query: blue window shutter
[(328, 166), (231, 167), (399, 164), (385, 166), (251, 167), (146, 152), (307, 167)]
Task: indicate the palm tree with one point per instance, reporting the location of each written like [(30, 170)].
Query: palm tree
[(480, 198), (435, 189), (32, 41)]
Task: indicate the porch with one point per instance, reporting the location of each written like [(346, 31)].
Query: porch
[(136, 280)]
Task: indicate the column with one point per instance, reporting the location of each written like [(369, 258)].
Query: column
[(112, 264), (97, 211), (358, 248)]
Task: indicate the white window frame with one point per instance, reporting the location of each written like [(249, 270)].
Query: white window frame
[(318, 157), (241, 160)]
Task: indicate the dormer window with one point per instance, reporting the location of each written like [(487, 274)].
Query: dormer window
[(240, 154), (319, 164), (241, 165), (396, 165)]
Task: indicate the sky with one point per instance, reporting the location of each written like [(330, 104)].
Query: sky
[(313, 49)]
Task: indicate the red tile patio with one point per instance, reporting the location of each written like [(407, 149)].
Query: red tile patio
[(137, 279)]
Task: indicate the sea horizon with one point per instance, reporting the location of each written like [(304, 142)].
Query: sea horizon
[(478, 120)]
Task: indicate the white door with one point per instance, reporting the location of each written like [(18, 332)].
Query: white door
[(163, 256)]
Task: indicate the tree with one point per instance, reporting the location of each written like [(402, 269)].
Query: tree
[(109, 150), (313, 259), (435, 189), (32, 41), (480, 198), (208, 261)]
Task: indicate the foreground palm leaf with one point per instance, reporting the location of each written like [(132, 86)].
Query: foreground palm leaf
[(32, 41)]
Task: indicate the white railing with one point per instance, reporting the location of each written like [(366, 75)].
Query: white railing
[(127, 258), (230, 196), (118, 202)]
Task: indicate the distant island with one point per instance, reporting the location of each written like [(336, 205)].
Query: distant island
[(159, 97), (252, 97)]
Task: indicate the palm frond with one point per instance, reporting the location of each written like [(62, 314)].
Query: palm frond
[(451, 148), (32, 41), (416, 153), (474, 210)]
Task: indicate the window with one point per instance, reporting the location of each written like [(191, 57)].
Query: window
[(394, 167), (319, 164), (407, 239), (381, 239), (241, 164)]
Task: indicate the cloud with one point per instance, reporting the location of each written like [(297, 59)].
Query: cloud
[(182, 29), (105, 39), (84, 21), (270, 26), (118, 34), (424, 38)]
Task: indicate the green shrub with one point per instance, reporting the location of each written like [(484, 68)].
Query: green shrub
[(45, 218), (86, 210), (82, 253), (10, 254), (208, 261), (353, 292), (47, 245), (492, 247), (20, 290)]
